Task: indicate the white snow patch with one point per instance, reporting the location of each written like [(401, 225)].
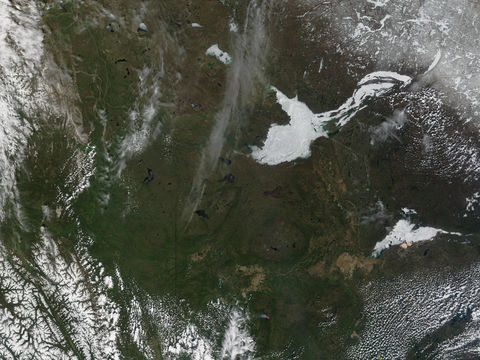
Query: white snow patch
[(21, 87), (222, 56), (378, 3), (292, 141), (406, 232), (233, 27), (58, 309), (196, 25), (408, 211), (289, 142)]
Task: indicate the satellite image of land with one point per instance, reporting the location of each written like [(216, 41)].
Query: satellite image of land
[(239, 179)]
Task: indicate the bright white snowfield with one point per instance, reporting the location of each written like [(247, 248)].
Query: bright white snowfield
[(61, 312), (61, 309), (406, 232), (292, 141), (222, 56), (20, 51)]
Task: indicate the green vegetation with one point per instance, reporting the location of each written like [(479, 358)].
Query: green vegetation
[(269, 239)]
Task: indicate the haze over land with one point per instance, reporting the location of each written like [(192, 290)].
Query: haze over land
[(261, 179)]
